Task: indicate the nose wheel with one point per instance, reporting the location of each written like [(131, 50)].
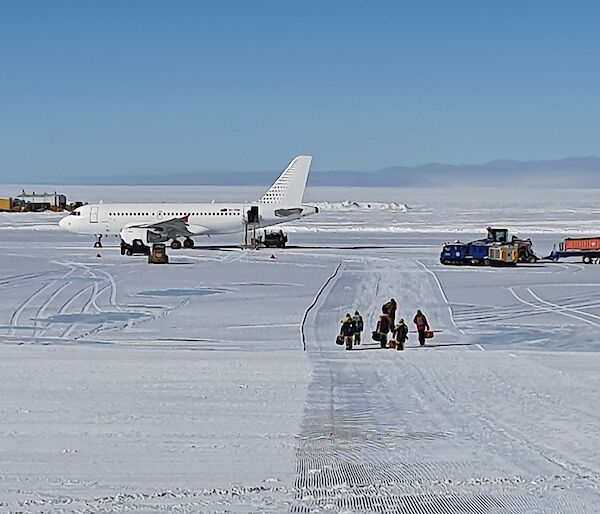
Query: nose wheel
[(98, 243)]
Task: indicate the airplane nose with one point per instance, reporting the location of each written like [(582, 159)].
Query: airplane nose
[(65, 223)]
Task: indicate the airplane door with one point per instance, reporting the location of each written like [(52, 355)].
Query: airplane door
[(94, 214), (252, 215)]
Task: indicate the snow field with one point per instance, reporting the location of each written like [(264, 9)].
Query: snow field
[(184, 387)]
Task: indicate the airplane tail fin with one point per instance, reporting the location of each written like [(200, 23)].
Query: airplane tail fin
[(288, 189)]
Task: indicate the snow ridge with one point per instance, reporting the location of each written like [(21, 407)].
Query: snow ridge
[(350, 205)]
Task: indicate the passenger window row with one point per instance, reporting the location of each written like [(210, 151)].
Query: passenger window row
[(171, 214)]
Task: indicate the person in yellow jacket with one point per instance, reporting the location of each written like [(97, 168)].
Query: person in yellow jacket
[(401, 334), (347, 331)]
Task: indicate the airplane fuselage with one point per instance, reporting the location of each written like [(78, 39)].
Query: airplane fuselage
[(202, 218)]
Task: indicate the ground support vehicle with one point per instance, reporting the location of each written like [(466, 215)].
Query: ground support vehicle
[(454, 253), (524, 250), (524, 246), (479, 253), (496, 249), (158, 254), (137, 248), (458, 253), (270, 239), (6, 204), (503, 255), (588, 248), (275, 239)]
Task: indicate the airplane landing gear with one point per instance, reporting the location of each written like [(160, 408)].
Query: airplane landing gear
[(188, 243), (98, 243), (175, 245)]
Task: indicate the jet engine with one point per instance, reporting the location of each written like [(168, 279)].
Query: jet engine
[(143, 235)]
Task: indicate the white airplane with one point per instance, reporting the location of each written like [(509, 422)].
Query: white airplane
[(148, 223)]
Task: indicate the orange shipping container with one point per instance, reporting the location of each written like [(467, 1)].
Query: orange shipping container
[(582, 244), (5, 204)]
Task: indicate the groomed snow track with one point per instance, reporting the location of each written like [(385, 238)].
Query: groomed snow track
[(434, 430)]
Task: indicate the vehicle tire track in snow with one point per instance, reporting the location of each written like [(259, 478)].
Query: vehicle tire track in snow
[(41, 311), (92, 305), (69, 330), (314, 302), (89, 304), (443, 293), (123, 325), (113, 289), (552, 310), (85, 269), (30, 301), (16, 314), (562, 307), (4, 281), (63, 308)]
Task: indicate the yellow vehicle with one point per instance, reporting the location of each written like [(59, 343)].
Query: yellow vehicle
[(503, 255), (158, 254)]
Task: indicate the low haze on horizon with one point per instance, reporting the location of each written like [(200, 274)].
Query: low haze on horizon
[(127, 89)]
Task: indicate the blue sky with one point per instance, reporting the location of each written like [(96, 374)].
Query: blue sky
[(141, 87)]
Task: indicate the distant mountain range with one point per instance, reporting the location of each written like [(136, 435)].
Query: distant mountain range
[(571, 172)]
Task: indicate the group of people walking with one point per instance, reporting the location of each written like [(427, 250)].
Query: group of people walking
[(352, 328), (351, 331)]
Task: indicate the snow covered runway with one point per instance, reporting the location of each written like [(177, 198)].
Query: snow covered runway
[(186, 387), (447, 428)]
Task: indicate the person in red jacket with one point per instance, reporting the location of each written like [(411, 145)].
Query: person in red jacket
[(422, 325)]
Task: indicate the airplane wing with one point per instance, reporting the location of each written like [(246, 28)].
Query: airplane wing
[(172, 228)]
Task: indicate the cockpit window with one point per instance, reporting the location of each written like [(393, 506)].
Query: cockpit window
[(75, 213)]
